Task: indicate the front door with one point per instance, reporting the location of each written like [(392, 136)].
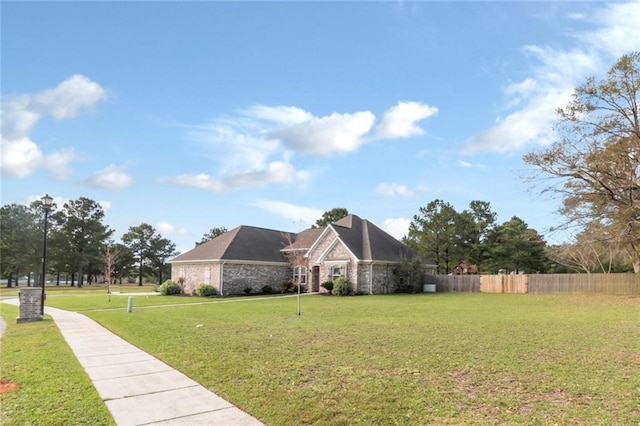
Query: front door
[(315, 280)]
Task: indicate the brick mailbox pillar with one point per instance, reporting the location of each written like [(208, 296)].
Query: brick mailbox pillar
[(30, 303)]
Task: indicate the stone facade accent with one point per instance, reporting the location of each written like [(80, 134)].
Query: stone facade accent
[(326, 255), (367, 278), (338, 252), (321, 246), (30, 304)]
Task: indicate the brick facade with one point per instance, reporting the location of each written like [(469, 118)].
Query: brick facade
[(30, 304), (250, 258), (235, 277)]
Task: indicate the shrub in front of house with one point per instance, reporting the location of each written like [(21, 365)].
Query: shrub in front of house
[(327, 285), (181, 281), (267, 289), (341, 286), (247, 290), (169, 288), (206, 290), (286, 286)]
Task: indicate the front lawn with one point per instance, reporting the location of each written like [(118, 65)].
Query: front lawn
[(396, 359), (41, 382), (406, 359)]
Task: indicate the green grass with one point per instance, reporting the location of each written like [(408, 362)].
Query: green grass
[(407, 359), (52, 289), (52, 388), (396, 359), (90, 302)]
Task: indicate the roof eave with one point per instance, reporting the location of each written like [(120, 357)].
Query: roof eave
[(234, 261)]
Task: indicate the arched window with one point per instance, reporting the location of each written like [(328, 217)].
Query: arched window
[(300, 274)]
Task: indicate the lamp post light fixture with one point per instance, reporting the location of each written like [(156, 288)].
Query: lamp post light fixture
[(46, 204)]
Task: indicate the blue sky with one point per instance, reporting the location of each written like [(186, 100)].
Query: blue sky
[(193, 115)]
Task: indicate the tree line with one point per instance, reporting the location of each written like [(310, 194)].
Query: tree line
[(447, 237), (80, 247)]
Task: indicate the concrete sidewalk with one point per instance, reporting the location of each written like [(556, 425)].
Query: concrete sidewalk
[(137, 388)]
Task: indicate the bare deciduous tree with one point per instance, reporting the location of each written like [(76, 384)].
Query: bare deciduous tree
[(594, 166)]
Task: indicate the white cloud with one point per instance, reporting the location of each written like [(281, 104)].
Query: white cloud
[(165, 228), (244, 153), (257, 145), (556, 73), (335, 133), (397, 227), (21, 156), (519, 91), (306, 215), (69, 98), (17, 120), (237, 143), (619, 31), (112, 177), (106, 205), (58, 162), (393, 189), (283, 115), (275, 172), (400, 121), (467, 165), (200, 181), (533, 124)]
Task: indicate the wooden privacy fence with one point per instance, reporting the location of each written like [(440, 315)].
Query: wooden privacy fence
[(621, 284), (450, 283), (616, 284), (518, 284)]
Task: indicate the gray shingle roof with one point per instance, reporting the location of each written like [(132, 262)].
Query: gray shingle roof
[(305, 239), (368, 242), (248, 243), (244, 243)]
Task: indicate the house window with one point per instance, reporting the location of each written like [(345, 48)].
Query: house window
[(207, 276), (337, 271), (300, 275)]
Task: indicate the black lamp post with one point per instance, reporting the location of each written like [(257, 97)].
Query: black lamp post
[(46, 203)]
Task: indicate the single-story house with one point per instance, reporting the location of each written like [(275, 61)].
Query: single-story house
[(248, 257)]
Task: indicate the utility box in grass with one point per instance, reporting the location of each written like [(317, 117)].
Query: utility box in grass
[(30, 304), (429, 288)]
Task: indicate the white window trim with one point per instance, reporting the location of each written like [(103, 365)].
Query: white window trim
[(343, 270), (300, 274)]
